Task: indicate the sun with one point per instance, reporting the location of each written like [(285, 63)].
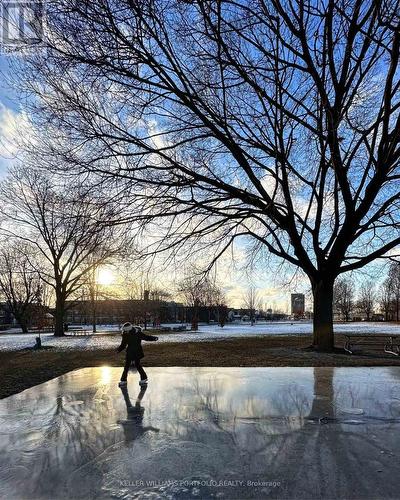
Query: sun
[(105, 277)]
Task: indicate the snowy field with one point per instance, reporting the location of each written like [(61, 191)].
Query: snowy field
[(15, 341)]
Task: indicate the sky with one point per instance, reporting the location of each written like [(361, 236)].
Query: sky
[(273, 289), (234, 279), (10, 111)]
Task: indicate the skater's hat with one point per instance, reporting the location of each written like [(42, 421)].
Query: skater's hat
[(127, 327)]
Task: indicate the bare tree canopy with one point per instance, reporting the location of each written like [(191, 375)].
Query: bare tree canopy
[(391, 291), (20, 283), (274, 120), (366, 300), (195, 290), (69, 229), (251, 302), (343, 294)]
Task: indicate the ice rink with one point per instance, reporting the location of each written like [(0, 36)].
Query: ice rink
[(204, 433)]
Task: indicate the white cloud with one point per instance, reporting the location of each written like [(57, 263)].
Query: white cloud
[(13, 124)]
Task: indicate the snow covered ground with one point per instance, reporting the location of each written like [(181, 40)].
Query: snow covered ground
[(15, 341)]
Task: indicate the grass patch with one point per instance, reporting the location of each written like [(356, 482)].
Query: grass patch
[(20, 370)]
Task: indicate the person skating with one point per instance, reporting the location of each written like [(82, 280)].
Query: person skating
[(132, 337)]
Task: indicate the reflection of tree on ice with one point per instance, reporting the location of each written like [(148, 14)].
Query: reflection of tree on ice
[(326, 453), (300, 439), (133, 426)]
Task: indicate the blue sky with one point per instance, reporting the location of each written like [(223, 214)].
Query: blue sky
[(9, 108), (270, 290), (7, 96)]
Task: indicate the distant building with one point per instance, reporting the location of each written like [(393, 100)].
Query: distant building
[(244, 315), (6, 318), (234, 316), (114, 311), (298, 304)]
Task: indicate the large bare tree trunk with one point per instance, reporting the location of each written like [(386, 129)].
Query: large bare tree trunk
[(24, 326), (323, 315), (59, 317), (21, 320), (94, 313), (94, 321)]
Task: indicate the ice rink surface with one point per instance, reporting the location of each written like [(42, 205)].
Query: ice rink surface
[(205, 433)]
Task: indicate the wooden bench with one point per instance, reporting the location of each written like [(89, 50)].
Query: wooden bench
[(180, 328), (176, 328), (78, 331), (389, 343), (46, 329)]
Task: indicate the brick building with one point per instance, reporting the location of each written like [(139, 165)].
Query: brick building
[(115, 311)]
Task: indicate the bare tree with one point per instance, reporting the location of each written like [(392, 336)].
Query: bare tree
[(140, 284), (277, 121), (385, 298), (252, 302), (93, 290), (394, 285), (69, 229), (20, 283), (196, 290), (137, 278), (366, 301), (218, 303), (344, 297)]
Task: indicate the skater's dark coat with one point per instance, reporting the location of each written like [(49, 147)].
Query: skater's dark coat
[(132, 341)]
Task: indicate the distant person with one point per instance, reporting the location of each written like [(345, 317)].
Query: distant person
[(132, 337)]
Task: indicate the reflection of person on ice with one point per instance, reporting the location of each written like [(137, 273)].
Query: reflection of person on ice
[(133, 426), (132, 337)]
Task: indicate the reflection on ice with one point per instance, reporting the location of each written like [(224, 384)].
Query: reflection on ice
[(133, 425), (205, 432)]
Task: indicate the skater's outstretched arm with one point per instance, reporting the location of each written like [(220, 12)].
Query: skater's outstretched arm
[(124, 343), (149, 338)]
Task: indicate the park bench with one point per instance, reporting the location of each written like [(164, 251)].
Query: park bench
[(388, 343), (180, 328), (78, 330), (45, 329)]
